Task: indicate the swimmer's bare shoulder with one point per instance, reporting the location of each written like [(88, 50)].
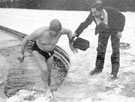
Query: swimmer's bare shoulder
[(37, 33)]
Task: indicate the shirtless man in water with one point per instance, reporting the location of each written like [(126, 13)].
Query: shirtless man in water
[(43, 49)]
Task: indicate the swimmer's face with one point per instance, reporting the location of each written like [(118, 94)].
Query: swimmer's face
[(54, 31)]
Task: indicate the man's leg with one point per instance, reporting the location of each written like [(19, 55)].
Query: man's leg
[(50, 66), (41, 62), (115, 57), (101, 50)]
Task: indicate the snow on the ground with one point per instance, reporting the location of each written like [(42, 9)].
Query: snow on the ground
[(84, 87)]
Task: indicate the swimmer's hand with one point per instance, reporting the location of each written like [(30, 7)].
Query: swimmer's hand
[(21, 58), (74, 37), (74, 50)]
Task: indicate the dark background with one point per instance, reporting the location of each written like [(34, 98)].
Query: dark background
[(80, 5)]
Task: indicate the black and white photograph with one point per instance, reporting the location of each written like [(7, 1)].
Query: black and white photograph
[(67, 50)]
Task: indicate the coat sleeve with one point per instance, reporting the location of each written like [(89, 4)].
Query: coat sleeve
[(121, 22), (84, 24)]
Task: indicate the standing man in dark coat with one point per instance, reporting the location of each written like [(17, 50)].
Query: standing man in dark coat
[(109, 23)]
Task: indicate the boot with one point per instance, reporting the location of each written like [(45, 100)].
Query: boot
[(95, 71)]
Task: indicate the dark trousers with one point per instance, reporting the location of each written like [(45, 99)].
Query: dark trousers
[(101, 50)]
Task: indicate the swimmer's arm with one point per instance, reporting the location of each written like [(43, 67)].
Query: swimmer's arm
[(30, 37), (69, 34)]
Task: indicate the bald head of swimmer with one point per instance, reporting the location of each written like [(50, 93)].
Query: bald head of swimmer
[(55, 25)]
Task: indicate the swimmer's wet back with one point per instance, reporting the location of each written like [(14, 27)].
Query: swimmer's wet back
[(81, 44)]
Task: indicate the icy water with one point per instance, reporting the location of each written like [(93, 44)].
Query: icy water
[(78, 86), (24, 75)]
